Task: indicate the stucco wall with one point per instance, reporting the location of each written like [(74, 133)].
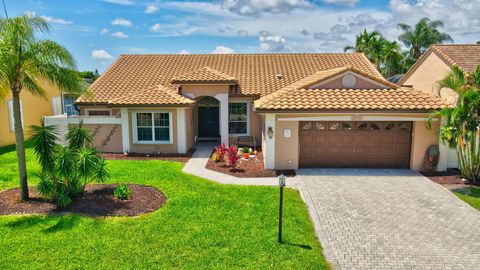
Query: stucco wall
[(337, 83), (286, 149), (154, 148), (200, 90), (34, 108), (422, 138), (83, 109), (106, 137), (426, 76)]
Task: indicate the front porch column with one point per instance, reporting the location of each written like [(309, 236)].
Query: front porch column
[(269, 149), (223, 99), (125, 130), (181, 131)]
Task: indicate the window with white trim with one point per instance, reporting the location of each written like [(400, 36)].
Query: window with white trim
[(238, 118), (68, 104), (153, 127)]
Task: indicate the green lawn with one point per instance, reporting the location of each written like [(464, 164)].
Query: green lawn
[(203, 225), (470, 195)]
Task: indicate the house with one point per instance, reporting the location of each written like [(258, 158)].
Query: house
[(33, 109), (307, 110), (432, 67)]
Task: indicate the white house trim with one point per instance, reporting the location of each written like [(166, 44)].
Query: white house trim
[(181, 131), (134, 127), (269, 142), (223, 99), (125, 130)]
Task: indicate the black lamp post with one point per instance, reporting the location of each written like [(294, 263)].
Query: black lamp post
[(281, 183)]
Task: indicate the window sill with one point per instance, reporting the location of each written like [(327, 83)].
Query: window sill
[(153, 143)]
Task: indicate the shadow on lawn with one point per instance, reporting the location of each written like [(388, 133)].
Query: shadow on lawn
[(61, 223), (297, 245), (469, 191)]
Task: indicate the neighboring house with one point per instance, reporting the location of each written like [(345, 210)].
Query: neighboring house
[(33, 109), (307, 110), (432, 67)]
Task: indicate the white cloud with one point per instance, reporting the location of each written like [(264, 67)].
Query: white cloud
[(121, 22), (257, 7), (349, 3), (49, 19), (150, 9), (273, 43), (155, 28), (120, 2), (183, 52), (104, 32), (101, 54), (222, 50), (119, 35)]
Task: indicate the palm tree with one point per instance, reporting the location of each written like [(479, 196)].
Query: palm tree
[(25, 60), (371, 44), (421, 36), (461, 128), (393, 59)]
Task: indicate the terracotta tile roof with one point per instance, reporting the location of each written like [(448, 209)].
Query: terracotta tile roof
[(323, 75), (466, 56), (348, 99), (255, 73), (153, 96), (204, 75)]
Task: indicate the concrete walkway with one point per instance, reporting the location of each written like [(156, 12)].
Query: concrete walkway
[(196, 166)]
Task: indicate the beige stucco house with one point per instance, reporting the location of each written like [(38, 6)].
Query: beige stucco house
[(431, 68), (307, 110)]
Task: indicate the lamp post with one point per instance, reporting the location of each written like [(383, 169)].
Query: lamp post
[(281, 183)]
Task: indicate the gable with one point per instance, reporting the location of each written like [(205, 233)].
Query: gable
[(348, 80)]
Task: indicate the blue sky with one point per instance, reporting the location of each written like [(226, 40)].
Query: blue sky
[(98, 31)]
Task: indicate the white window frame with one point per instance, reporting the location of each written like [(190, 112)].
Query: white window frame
[(248, 118), (88, 110), (135, 130)]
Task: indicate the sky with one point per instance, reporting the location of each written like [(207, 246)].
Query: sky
[(98, 31)]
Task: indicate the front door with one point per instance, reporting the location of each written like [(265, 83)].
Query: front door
[(208, 122)]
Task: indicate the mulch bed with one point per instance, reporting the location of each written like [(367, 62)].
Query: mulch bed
[(184, 158), (449, 177), (98, 201), (248, 168)]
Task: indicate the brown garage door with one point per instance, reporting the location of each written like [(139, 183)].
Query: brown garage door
[(355, 144)]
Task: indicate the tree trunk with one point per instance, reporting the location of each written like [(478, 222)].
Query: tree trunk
[(20, 142)]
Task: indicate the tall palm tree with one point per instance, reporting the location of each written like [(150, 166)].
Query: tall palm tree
[(419, 37), (461, 128), (393, 59), (369, 43), (26, 60)]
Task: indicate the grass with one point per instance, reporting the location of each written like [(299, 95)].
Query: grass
[(469, 195), (203, 225)]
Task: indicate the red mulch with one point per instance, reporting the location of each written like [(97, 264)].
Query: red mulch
[(98, 201), (184, 158), (450, 177), (248, 168)]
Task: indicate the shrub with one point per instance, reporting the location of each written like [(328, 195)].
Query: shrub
[(122, 192), (231, 157), (246, 150), (219, 154), (66, 170)]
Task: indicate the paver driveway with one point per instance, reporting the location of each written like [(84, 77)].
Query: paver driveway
[(390, 219)]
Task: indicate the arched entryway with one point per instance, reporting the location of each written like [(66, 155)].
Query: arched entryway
[(208, 118)]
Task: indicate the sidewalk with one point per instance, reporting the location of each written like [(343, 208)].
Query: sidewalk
[(196, 166)]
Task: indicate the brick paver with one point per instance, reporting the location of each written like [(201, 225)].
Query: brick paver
[(389, 219)]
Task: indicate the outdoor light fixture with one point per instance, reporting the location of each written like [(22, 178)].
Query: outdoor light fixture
[(270, 132), (281, 183)]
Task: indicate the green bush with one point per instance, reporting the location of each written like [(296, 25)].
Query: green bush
[(246, 150), (66, 170), (122, 192)]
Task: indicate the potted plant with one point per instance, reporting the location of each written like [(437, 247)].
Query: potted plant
[(246, 152)]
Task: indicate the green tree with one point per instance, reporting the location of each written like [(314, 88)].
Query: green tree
[(369, 43), (462, 123), (421, 36), (25, 60)]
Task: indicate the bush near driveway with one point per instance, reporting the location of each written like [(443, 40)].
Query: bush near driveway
[(203, 225)]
